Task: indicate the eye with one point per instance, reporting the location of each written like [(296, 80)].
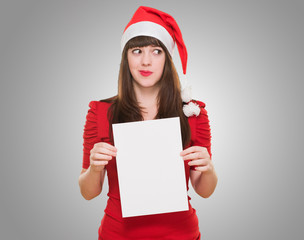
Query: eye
[(157, 51), (136, 51)]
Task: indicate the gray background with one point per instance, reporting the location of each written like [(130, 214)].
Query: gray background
[(245, 63)]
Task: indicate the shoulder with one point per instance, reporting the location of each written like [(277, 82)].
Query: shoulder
[(98, 118), (199, 103), (95, 104), (101, 105)]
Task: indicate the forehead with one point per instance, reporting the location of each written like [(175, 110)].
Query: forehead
[(143, 41)]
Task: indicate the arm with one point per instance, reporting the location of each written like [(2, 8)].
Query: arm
[(202, 173), (203, 178), (91, 180)]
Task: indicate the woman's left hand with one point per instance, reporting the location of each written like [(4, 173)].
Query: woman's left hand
[(198, 157)]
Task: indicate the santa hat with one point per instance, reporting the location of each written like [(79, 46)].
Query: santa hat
[(151, 22)]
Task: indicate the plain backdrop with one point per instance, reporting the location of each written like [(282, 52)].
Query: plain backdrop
[(246, 64)]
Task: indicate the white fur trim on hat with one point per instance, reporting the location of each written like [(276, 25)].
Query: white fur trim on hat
[(191, 109), (146, 28)]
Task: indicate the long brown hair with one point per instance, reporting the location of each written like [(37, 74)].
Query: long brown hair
[(125, 107)]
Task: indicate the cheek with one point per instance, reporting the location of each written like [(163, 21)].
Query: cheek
[(162, 65), (132, 65), (131, 60)]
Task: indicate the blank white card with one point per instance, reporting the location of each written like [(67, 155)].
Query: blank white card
[(151, 173)]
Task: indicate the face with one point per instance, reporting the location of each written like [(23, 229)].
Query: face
[(146, 65)]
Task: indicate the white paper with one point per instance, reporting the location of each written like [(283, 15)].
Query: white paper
[(151, 173)]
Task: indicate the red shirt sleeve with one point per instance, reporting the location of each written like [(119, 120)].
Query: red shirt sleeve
[(200, 129), (203, 132), (90, 133)]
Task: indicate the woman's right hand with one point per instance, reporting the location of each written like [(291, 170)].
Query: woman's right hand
[(100, 155)]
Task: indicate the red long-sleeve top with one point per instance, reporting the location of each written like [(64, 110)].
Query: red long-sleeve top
[(177, 225)]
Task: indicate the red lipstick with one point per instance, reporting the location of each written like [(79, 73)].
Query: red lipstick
[(145, 73)]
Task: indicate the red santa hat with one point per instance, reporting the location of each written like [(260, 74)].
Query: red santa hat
[(148, 21)]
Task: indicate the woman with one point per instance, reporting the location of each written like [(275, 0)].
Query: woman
[(148, 88)]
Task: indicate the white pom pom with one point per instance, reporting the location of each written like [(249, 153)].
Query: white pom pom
[(186, 94), (191, 109)]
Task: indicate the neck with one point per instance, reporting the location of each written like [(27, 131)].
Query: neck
[(147, 100), (146, 97)]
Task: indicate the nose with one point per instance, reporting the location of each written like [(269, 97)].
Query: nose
[(146, 58)]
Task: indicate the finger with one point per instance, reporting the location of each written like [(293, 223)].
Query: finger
[(191, 150), (199, 162), (205, 167), (100, 157), (197, 155), (105, 151), (193, 156), (187, 151), (106, 145)]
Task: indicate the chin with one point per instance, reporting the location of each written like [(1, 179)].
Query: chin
[(147, 85)]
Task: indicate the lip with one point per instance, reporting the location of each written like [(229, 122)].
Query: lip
[(145, 73)]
